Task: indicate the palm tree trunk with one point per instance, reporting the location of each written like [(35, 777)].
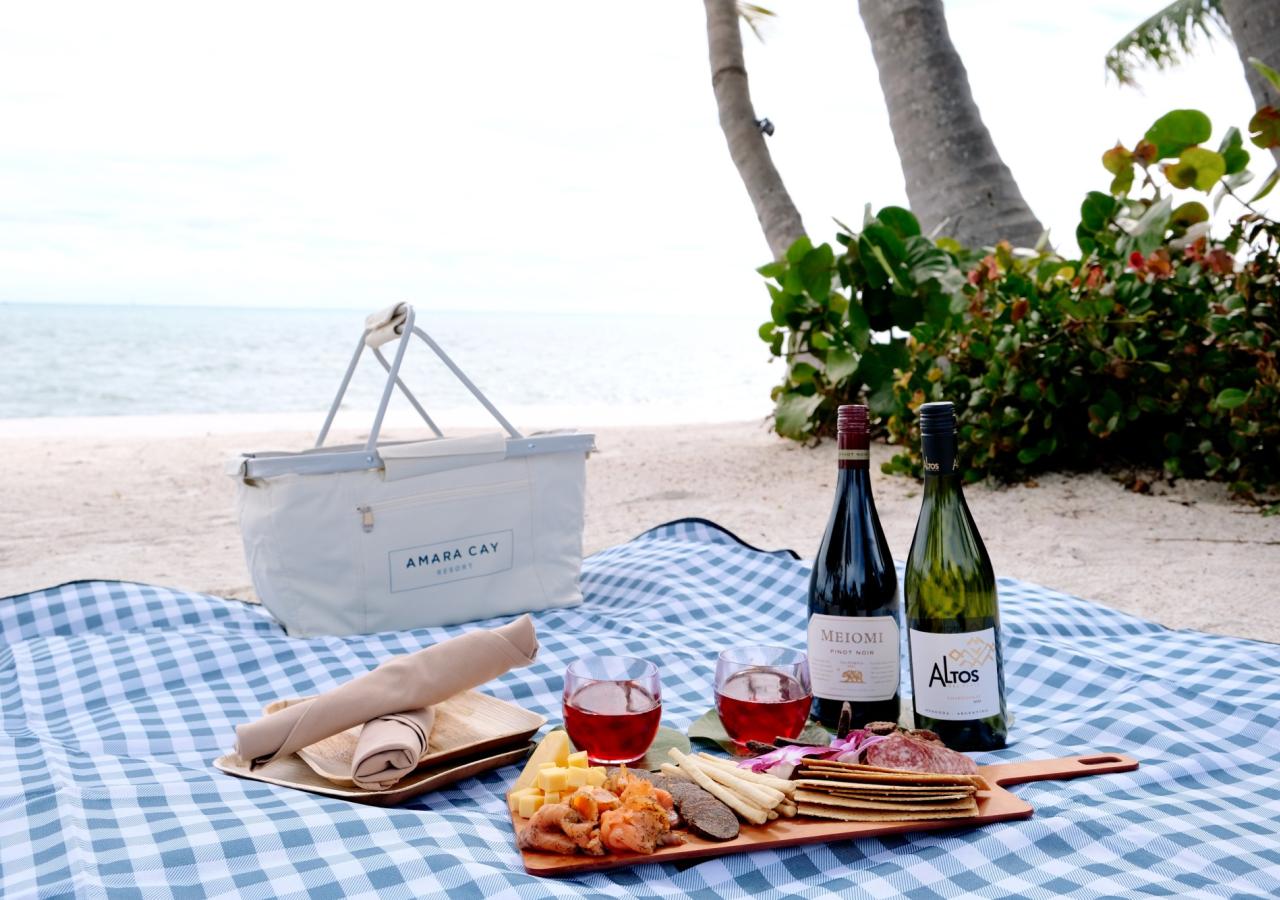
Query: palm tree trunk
[(954, 175), (1255, 29), (777, 214)]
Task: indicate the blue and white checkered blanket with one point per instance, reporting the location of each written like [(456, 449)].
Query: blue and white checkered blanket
[(115, 697)]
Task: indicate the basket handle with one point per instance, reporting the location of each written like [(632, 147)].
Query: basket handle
[(397, 322)]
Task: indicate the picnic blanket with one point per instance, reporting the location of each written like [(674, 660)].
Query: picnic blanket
[(116, 697)]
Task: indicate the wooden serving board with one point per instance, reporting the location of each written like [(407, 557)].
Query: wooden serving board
[(995, 805)]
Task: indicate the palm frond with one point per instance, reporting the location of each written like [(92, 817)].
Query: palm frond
[(754, 15), (1166, 38)]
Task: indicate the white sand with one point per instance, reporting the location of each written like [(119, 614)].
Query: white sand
[(145, 499)]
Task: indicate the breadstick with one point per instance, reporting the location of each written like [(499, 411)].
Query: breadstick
[(787, 786), (786, 809), (772, 815), (739, 805), (758, 794)]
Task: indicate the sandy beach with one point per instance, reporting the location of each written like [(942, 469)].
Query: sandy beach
[(145, 499)]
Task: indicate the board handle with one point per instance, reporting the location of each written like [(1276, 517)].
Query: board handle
[(1059, 769)]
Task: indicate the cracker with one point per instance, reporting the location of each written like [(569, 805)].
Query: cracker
[(866, 815), (809, 797), (842, 785), (903, 777)]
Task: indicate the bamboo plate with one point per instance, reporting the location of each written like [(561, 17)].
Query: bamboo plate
[(465, 725), (292, 772), (995, 805)]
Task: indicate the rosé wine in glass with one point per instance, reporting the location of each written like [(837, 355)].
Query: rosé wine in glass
[(612, 707), (762, 693)]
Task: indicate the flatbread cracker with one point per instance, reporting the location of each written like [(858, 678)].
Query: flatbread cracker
[(908, 778), (867, 815), (809, 797), (840, 784), (900, 798)]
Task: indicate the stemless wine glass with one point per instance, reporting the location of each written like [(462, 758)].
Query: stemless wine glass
[(612, 707), (763, 693)]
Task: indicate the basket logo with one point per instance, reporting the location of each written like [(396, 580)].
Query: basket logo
[(446, 561)]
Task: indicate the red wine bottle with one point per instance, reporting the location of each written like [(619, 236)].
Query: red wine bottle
[(854, 612)]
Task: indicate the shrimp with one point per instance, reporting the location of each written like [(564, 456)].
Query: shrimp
[(642, 823), (559, 829)]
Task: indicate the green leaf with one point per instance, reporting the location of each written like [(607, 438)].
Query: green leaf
[(903, 223), (1150, 229), (1266, 71), (816, 271), (708, 728), (657, 754), (767, 332), (840, 365), (1266, 186), (1028, 455), (1121, 184), (1196, 167), (1232, 150), (1264, 128), (793, 414), (1189, 214), (796, 251), (1096, 209), (1176, 131), (1231, 398), (859, 328), (773, 270)]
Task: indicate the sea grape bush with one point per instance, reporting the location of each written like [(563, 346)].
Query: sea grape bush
[(1157, 346)]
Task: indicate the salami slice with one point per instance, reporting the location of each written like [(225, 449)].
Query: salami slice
[(902, 751)]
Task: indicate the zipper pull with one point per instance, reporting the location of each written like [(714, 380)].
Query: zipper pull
[(366, 517)]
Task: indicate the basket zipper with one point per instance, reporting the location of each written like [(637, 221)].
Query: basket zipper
[(504, 487)]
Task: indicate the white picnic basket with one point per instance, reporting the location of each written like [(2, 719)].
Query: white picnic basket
[(394, 535)]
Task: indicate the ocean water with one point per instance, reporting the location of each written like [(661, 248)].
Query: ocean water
[(63, 360)]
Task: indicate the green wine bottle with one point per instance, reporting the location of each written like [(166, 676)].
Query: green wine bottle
[(953, 619)]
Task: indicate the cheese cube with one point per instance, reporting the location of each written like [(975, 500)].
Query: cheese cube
[(553, 748), (514, 798), (551, 797), (553, 779), (596, 776), (547, 765), (577, 777), (578, 760), (530, 804)]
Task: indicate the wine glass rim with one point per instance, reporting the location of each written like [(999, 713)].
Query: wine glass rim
[(648, 668), (738, 654)]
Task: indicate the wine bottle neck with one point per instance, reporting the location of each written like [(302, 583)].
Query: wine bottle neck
[(853, 451), (939, 452)]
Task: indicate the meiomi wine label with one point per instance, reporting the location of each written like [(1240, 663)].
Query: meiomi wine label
[(854, 658)]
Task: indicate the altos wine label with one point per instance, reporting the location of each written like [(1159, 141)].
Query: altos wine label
[(954, 676), (854, 657)]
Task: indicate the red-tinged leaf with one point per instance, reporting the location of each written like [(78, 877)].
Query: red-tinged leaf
[(1145, 153), (1264, 128), (1117, 159), (1019, 311), (1136, 262), (1220, 261), (1159, 265)]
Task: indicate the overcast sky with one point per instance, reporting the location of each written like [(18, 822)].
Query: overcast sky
[(560, 156)]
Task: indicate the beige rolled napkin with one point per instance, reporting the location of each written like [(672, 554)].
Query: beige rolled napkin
[(389, 748), (411, 681)]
